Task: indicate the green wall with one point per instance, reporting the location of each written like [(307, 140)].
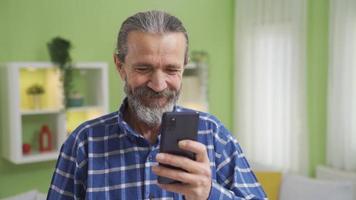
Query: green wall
[(91, 26), (317, 72)]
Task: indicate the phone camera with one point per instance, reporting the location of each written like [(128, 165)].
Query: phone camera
[(172, 123)]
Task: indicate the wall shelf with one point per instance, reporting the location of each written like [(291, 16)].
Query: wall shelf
[(38, 157), (82, 108), (40, 111), (21, 121), (194, 92)]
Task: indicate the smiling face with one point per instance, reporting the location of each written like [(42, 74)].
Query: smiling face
[(152, 72)]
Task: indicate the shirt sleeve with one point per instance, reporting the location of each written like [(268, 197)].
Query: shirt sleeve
[(69, 177), (234, 177)]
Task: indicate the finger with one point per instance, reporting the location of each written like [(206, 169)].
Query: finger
[(196, 147), (178, 175), (180, 162)]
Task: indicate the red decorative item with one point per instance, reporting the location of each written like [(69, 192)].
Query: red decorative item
[(26, 148), (45, 139)]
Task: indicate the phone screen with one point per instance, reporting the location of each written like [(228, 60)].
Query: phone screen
[(177, 126)]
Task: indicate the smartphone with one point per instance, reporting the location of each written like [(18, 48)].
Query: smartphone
[(177, 126)]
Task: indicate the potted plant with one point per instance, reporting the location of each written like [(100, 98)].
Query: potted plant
[(75, 99), (59, 52), (36, 91)]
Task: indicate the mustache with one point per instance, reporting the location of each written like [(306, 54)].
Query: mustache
[(144, 91)]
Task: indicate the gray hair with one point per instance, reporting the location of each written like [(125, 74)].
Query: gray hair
[(152, 22)]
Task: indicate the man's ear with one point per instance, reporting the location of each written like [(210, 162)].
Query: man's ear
[(119, 67)]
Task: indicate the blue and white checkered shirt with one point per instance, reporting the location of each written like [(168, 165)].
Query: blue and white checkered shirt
[(106, 159)]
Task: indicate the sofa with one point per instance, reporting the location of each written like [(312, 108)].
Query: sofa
[(279, 186)]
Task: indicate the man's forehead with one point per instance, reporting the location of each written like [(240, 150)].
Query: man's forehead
[(146, 41)]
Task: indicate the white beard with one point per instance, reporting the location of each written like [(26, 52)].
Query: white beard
[(151, 115)]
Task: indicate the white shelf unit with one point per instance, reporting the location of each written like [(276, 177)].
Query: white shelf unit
[(194, 92), (21, 123)]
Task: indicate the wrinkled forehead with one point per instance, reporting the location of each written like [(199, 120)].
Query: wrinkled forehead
[(143, 43)]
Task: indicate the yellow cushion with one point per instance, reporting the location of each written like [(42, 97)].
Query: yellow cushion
[(271, 182)]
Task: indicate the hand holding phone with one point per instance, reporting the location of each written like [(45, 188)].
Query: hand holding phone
[(177, 126)]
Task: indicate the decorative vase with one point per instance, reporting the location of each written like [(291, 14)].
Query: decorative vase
[(45, 139), (26, 148), (36, 101), (75, 100)]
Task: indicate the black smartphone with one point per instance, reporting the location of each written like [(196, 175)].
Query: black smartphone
[(177, 126)]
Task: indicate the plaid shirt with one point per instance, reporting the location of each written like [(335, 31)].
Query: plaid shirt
[(106, 159)]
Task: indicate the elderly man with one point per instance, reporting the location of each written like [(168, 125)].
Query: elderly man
[(116, 155)]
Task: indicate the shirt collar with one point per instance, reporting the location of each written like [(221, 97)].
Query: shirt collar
[(128, 130)]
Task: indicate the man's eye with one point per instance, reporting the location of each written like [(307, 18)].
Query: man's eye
[(173, 71), (142, 69)]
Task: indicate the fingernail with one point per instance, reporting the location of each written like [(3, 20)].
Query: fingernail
[(159, 156), (182, 143)]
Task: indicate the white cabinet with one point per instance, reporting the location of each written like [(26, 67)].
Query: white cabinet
[(194, 93), (23, 115)]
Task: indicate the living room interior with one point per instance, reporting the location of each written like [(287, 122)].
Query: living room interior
[(279, 74)]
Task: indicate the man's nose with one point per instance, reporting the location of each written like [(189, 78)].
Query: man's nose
[(157, 81)]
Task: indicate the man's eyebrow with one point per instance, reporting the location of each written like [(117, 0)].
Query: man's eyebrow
[(141, 64), (177, 66), (144, 64)]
